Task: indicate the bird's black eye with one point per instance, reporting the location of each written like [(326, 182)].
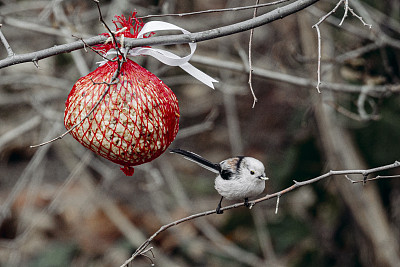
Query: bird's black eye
[(252, 172)]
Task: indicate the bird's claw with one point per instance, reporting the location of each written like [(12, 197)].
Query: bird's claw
[(246, 203), (218, 210)]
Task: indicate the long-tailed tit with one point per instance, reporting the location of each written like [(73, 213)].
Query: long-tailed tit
[(239, 177)]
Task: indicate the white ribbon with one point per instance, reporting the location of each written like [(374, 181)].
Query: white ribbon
[(167, 57)]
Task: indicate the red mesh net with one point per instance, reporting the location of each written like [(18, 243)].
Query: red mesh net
[(135, 122)]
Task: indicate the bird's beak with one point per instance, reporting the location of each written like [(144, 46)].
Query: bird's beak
[(263, 177)]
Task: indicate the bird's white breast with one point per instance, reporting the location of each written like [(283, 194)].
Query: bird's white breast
[(239, 188)]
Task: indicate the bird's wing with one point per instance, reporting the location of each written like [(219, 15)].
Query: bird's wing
[(216, 168)]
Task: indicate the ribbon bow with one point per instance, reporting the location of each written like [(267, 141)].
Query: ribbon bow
[(167, 57)]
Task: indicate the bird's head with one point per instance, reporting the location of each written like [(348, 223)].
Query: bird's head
[(254, 167)]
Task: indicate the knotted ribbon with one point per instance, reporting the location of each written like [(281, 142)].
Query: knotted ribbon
[(164, 56)]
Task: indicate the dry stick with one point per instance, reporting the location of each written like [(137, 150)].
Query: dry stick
[(319, 58), (362, 97), (93, 50), (10, 52), (359, 18), (351, 29), (383, 18), (109, 31), (250, 60), (147, 256), (277, 204), (214, 10), (346, 8), (348, 113), (248, 68), (316, 26), (296, 185), (362, 113), (372, 179)]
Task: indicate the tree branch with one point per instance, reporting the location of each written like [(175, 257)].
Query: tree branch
[(214, 10), (5, 43), (142, 248), (276, 14)]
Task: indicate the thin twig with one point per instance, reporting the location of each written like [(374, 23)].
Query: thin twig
[(360, 18), (250, 60), (372, 179), (112, 33), (322, 19), (10, 52), (147, 256), (214, 10), (94, 50), (319, 58), (362, 97), (296, 185), (277, 204), (316, 26), (352, 115), (346, 8)]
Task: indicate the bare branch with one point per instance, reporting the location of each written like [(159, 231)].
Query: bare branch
[(111, 33), (373, 179), (277, 204), (215, 10), (277, 195), (322, 19), (147, 256), (346, 8), (316, 26), (276, 14), (250, 60), (94, 50), (359, 17), (6, 44)]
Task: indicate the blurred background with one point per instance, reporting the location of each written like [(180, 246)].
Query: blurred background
[(61, 205)]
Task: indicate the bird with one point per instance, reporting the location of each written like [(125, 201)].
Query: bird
[(238, 177)]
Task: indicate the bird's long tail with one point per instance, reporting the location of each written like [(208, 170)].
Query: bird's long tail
[(198, 159)]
